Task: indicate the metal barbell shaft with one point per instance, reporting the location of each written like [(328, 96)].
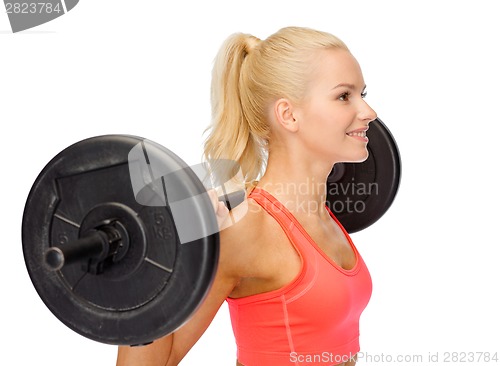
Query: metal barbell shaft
[(96, 244), (91, 246)]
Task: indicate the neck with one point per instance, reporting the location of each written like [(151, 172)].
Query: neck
[(297, 183)]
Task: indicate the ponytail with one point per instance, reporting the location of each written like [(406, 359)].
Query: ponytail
[(248, 76), (233, 134)]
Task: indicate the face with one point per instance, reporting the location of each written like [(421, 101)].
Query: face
[(334, 117)]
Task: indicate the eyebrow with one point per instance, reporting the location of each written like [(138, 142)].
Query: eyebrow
[(347, 85)]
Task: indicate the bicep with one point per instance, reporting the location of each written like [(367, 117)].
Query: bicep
[(170, 349), (186, 336), (226, 279)]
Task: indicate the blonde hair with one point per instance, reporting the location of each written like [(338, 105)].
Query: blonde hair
[(249, 75)]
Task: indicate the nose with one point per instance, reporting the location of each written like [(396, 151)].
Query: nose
[(366, 113)]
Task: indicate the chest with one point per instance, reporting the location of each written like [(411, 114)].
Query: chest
[(330, 240), (279, 262)]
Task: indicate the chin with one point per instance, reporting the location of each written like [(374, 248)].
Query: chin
[(359, 158), (363, 158)]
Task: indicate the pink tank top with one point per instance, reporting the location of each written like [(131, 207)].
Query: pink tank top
[(314, 320)]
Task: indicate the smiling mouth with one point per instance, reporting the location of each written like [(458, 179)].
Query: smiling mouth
[(359, 134)]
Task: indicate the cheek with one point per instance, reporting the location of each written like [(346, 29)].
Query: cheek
[(332, 116), (321, 116), (324, 121)]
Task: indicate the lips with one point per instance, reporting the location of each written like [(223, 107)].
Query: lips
[(360, 132)]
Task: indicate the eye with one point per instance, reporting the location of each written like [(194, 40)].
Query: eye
[(363, 94), (344, 97)]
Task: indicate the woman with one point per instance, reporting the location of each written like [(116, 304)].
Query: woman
[(290, 107)]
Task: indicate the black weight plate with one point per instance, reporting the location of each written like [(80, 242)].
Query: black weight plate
[(158, 282), (360, 193)]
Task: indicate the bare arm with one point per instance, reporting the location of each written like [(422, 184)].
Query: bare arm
[(156, 353), (169, 350)]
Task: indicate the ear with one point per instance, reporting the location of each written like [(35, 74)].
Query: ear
[(283, 112)]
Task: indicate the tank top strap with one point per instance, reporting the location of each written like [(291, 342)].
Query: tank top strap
[(285, 218), (273, 207)]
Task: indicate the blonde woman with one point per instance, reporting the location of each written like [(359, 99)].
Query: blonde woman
[(287, 109)]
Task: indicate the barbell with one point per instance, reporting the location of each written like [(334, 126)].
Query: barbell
[(120, 238)]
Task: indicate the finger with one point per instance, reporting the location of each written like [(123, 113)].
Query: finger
[(222, 211), (213, 198)]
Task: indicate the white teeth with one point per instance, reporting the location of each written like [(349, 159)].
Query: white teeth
[(359, 134)]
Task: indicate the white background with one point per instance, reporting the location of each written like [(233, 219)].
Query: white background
[(143, 68)]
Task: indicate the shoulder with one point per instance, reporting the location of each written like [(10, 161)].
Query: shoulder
[(246, 239)]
